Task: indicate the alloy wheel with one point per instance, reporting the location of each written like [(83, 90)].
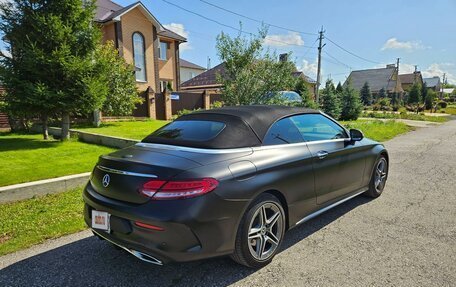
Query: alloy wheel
[(381, 171), (265, 231)]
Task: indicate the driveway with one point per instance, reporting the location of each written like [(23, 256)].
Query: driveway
[(407, 237)]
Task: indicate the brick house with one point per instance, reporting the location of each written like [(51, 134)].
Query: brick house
[(144, 42)]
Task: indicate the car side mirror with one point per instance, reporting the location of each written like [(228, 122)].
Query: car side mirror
[(356, 135)]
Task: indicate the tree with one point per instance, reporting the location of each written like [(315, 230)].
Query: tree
[(414, 96), (54, 69), (429, 100), (366, 95), (302, 89), (351, 104), (251, 73), (330, 103), (122, 95), (339, 88), (381, 94), (424, 92), (395, 101)]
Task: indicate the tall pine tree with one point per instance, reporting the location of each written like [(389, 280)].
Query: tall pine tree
[(330, 103), (351, 104), (366, 95)]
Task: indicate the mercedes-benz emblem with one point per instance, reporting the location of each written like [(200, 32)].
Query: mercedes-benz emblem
[(106, 180)]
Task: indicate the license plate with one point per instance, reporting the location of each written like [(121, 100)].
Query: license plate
[(100, 220)]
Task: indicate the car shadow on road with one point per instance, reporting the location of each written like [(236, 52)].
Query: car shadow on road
[(92, 262)]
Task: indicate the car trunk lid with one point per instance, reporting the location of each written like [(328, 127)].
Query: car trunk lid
[(121, 174)]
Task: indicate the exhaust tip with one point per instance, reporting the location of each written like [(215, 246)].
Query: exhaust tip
[(146, 257), (142, 256)]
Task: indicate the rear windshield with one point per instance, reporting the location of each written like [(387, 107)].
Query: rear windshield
[(190, 130)]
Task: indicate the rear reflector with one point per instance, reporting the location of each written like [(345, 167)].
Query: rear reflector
[(161, 190), (148, 226)]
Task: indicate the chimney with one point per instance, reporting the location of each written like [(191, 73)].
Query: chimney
[(283, 57)]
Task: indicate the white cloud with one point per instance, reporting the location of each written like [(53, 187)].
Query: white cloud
[(179, 29), (283, 40), (436, 69), (406, 68), (394, 44), (310, 69)]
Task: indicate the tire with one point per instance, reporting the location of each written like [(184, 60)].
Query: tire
[(378, 178), (257, 239)]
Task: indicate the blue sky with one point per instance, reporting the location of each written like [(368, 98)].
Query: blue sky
[(419, 32)]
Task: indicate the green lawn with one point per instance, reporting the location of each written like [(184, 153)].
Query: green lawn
[(373, 129), (450, 110), (125, 129), (26, 157), (415, 117), (378, 130), (29, 222)]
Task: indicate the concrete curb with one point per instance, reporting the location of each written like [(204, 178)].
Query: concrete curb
[(92, 138), (41, 187)]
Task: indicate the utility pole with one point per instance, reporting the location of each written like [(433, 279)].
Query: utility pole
[(320, 47), (396, 89), (208, 63), (443, 85)]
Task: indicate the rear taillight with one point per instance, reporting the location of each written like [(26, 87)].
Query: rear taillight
[(178, 189)]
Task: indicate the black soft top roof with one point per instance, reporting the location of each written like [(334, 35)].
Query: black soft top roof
[(246, 126)]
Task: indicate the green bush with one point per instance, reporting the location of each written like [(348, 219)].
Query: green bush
[(442, 104), (217, 104), (185, 112)]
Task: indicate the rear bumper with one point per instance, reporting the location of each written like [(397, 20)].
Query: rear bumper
[(194, 228)]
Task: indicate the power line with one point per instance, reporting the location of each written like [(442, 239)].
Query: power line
[(351, 53), (228, 26), (288, 29), (337, 60), (256, 20)]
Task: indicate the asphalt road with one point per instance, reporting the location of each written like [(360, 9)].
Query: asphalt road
[(407, 237)]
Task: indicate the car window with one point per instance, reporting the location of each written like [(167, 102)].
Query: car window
[(190, 130), (283, 131), (316, 127)]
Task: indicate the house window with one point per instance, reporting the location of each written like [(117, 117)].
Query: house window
[(163, 51), (139, 57), (165, 84)]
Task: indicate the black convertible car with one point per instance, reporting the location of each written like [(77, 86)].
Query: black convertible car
[(229, 181)]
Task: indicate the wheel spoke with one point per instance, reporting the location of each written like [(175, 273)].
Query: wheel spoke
[(272, 238), (260, 244), (263, 217), (377, 182), (273, 220), (254, 233)]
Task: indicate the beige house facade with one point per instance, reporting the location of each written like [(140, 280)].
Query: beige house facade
[(145, 43)]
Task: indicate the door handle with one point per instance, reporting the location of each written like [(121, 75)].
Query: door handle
[(322, 154)]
